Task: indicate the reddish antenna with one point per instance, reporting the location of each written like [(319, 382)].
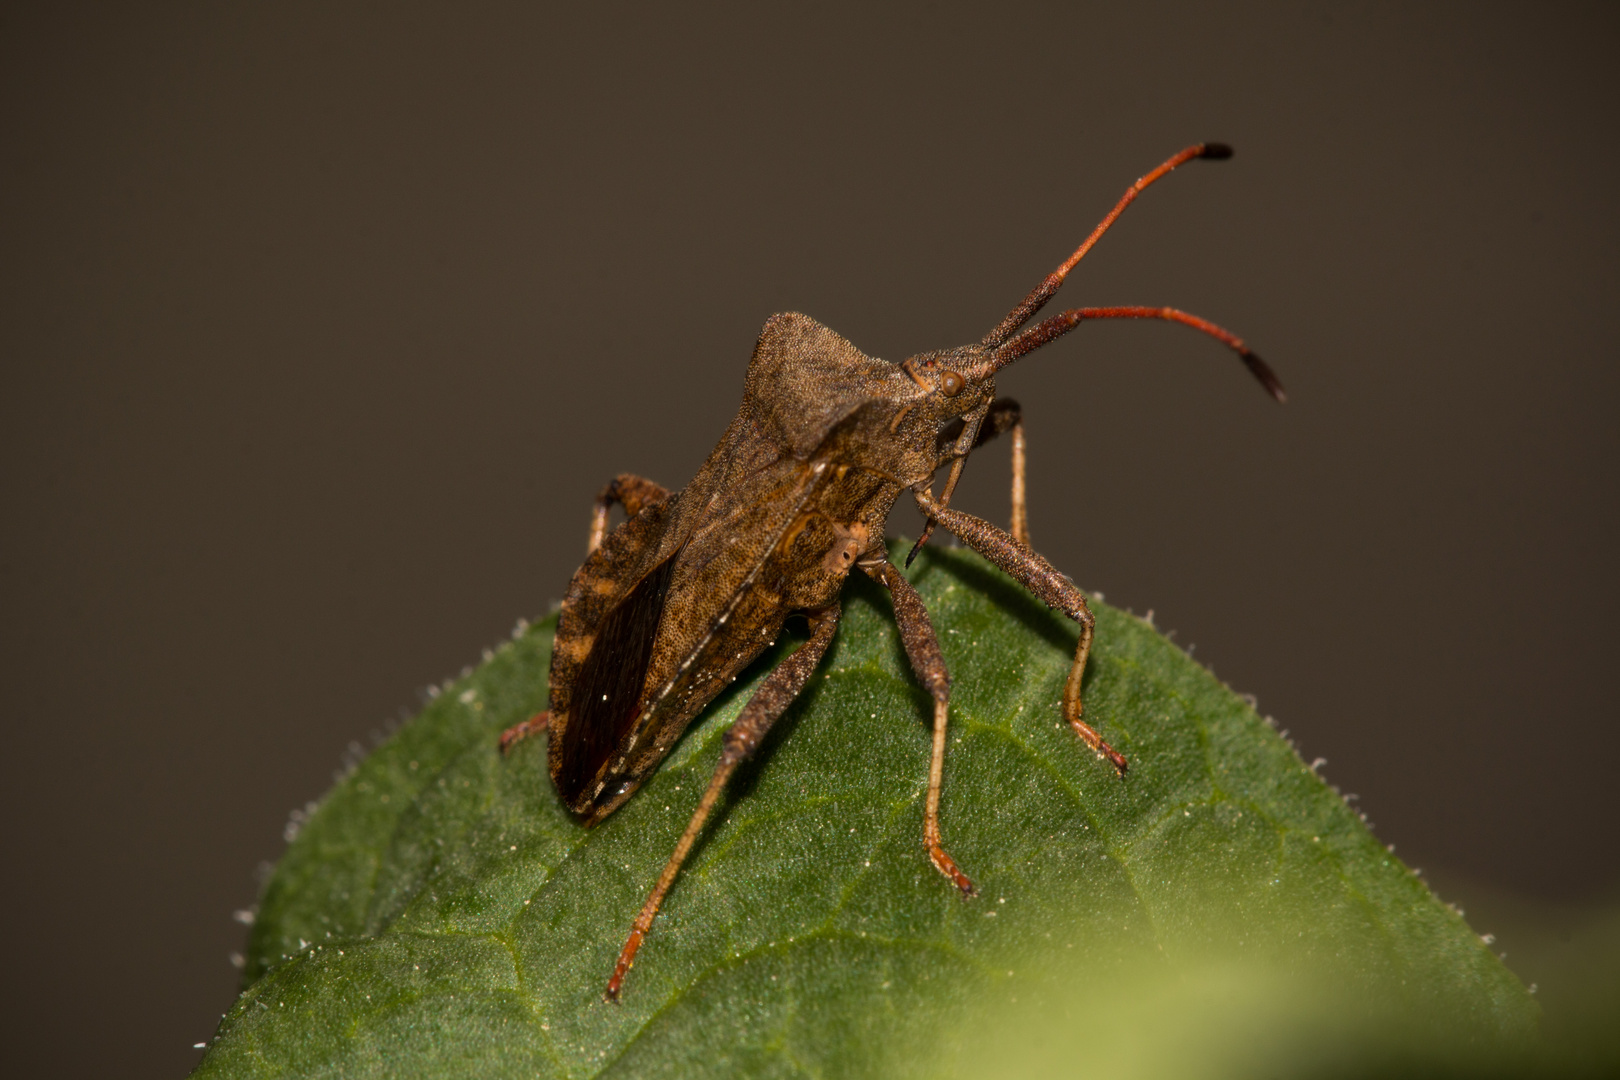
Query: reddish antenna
[(1005, 348), (1058, 325), (1043, 292)]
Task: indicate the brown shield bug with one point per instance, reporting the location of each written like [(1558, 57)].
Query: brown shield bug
[(672, 604)]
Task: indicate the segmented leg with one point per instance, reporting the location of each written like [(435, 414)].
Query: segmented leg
[(1001, 415), (1051, 587), (1006, 415), (742, 738), (521, 730), (629, 491), (922, 648)]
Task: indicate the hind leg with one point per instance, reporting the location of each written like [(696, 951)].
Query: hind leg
[(521, 730), (631, 492)]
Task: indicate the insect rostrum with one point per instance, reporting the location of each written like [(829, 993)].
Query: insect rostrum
[(670, 606)]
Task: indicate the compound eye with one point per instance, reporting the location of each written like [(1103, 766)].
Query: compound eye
[(950, 384)]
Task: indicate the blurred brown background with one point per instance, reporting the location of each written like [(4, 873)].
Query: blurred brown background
[(322, 324)]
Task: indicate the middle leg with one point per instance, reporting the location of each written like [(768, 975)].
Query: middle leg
[(742, 738), (922, 649)]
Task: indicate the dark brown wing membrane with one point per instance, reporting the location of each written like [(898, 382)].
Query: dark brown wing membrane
[(608, 694)]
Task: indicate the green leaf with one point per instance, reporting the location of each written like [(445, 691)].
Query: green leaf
[(439, 914)]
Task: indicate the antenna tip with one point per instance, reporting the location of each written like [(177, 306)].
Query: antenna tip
[(1215, 151), (1267, 377)]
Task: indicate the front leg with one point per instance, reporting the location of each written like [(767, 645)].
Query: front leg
[(1051, 587), (1003, 415), (1006, 415)]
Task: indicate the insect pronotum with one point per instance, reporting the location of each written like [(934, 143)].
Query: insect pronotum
[(672, 604)]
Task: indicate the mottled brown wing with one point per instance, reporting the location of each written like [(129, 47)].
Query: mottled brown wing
[(726, 604), (607, 695)]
